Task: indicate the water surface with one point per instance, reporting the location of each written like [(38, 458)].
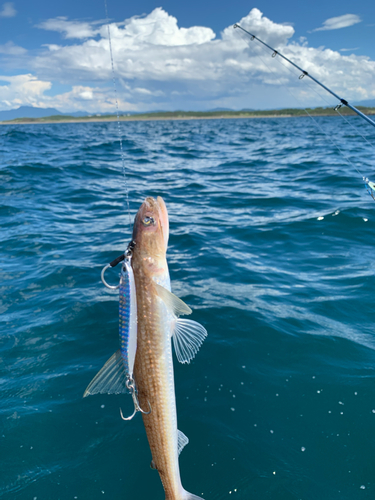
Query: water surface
[(271, 244)]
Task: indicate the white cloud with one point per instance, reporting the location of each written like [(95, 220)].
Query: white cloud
[(69, 29), (8, 10), (159, 65), (90, 99), (335, 23), (11, 49), (22, 89), (349, 50)]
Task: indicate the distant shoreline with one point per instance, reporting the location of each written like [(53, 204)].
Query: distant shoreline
[(191, 115)]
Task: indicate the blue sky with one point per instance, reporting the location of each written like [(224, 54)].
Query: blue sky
[(182, 55)]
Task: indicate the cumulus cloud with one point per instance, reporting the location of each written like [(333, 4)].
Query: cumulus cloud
[(159, 65), (22, 89), (154, 48), (336, 23), (8, 10)]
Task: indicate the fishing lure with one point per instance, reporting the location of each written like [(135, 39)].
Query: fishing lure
[(370, 186), (116, 376)]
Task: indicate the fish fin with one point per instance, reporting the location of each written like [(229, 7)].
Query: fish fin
[(177, 305), (152, 465), (182, 441), (110, 379), (188, 336), (190, 496)]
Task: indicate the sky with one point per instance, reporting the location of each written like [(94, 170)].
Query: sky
[(173, 55)]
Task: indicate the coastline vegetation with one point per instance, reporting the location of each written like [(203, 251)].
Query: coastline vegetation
[(186, 115)]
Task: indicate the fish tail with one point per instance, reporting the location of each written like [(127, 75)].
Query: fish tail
[(190, 496), (184, 495)]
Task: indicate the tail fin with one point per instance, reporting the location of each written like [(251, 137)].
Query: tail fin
[(183, 495), (190, 496)]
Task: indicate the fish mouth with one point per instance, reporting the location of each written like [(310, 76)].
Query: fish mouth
[(164, 220), (152, 217)]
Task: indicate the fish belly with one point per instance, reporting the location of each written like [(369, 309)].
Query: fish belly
[(154, 378)]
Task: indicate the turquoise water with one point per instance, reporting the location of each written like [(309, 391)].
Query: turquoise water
[(271, 244)]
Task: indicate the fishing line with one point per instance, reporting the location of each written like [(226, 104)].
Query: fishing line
[(370, 186), (117, 114)]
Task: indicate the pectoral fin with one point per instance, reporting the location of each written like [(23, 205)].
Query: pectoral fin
[(176, 305), (188, 336), (110, 379)]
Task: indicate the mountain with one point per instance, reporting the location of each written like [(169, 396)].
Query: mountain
[(27, 112), (214, 110)]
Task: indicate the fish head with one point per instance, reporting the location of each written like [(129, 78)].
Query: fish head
[(151, 229)]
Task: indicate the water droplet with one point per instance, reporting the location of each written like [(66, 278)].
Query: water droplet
[(320, 218), (303, 448)]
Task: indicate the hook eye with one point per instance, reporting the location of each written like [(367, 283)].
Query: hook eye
[(111, 287)]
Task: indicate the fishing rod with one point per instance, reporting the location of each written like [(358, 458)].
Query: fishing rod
[(305, 73), (370, 186)]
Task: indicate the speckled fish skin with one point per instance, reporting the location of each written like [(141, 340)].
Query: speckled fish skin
[(153, 370)]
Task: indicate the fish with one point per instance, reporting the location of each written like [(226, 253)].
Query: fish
[(158, 324)]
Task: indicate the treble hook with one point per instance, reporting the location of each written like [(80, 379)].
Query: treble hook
[(131, 386)]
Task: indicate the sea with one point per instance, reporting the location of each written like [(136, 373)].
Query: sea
[(272, 238)]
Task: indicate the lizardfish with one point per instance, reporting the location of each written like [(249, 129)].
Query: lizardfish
[(158, 311)]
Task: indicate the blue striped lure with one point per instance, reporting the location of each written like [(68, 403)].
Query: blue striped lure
[(128, 318), (116, 376)]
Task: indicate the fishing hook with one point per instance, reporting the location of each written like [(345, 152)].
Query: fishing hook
[(127, 255), (131, 386)]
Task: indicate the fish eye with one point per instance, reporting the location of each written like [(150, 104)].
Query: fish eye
[(148, 221)]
